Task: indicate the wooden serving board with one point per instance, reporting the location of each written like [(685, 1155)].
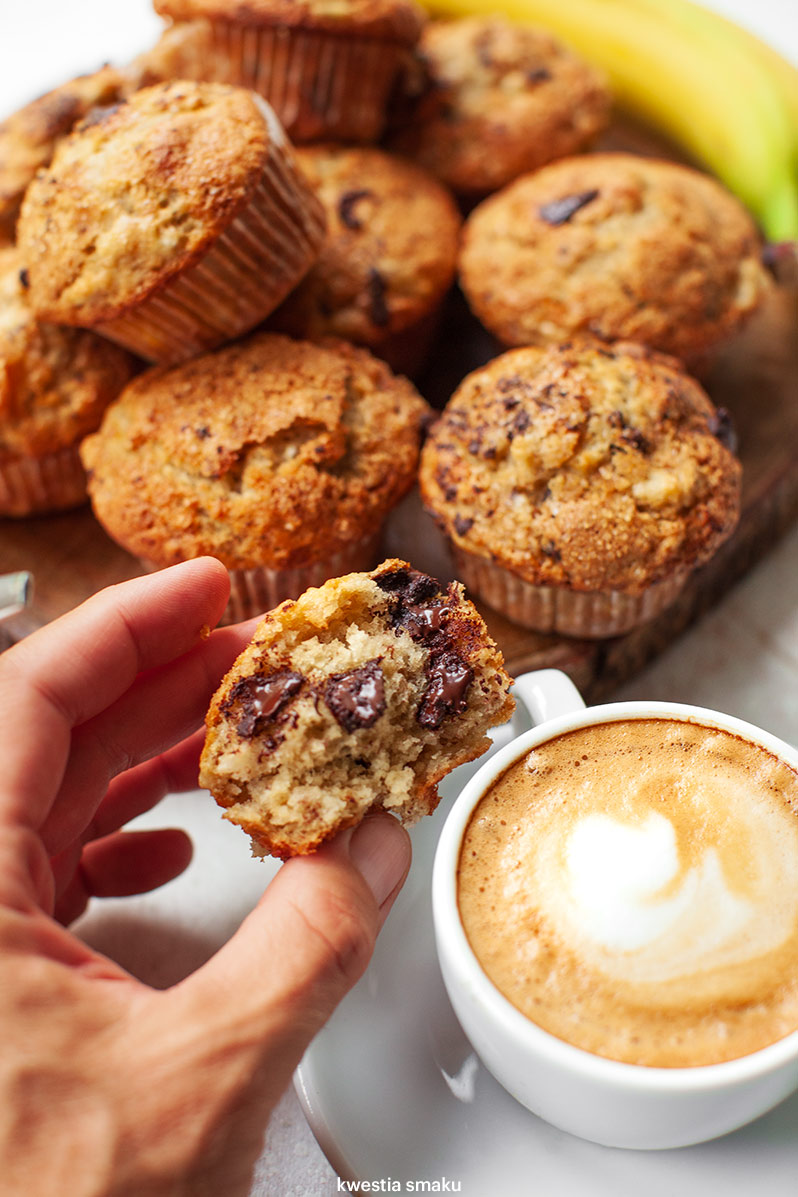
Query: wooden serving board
[(755, 378)]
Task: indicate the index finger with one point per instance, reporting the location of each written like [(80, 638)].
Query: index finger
[(75, 667)]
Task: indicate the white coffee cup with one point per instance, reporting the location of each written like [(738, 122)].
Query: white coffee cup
[(606, 1101)]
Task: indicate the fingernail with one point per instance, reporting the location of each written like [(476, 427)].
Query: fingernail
[(380, 851)]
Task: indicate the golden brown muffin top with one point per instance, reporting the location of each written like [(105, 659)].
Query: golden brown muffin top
[(617, 246), (28, 137), (268, 452), (137, 195), (391, 247), (400, 20), (499, 99), (55, 382), (183, 51), (583, 465)]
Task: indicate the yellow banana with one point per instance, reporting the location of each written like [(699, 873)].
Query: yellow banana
[(689, 77)]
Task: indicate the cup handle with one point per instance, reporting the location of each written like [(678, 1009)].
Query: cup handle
[(547, 693)]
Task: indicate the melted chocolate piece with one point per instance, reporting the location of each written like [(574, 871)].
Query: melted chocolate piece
[(357, 697), (409, 585), (347, 204), (538, 75), (721, 426), (447, 689), (378, 308), (561, 210), (24, 279), (462, 524), (262, 698)]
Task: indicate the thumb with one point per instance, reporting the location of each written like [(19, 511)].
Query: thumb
[(304, 945)]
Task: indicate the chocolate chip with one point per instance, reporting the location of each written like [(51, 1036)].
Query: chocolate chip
[(357, 697), (261, 698), (635, 438), (617, 419), (376, 292), (561, 210), (550, 550), (721, 426), (347, 204), (409, 585), (521, 422), (462, 524), (203, 432), (446, 693), (538, 75), (24, 279)]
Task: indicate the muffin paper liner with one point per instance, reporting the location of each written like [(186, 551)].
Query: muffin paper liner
[(254, 591), (247, 271), (321, 85), (590, 615), (32, 485)]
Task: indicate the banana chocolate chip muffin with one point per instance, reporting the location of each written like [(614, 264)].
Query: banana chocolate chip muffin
[(279, 457), (617, 246), (171, 223), (360, 695), (28, 137), (326, 66), (388, 260), (498, 99), (55, 384), (581, 484)]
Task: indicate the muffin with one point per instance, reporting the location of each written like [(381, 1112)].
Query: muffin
[(498, 99), (279, 457), (617, 246), (326, 66), (170, 223), (28, 137), (581, 484), (55, 384), (389, 258), (361, 695), (183, 51)]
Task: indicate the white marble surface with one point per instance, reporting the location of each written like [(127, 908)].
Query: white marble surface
[(742, 658)]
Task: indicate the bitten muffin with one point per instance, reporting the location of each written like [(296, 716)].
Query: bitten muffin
[(498, 99), (326, 66), (361, 695), (616, 246), (28, 137), (279, 457), (389, 258), (170, 223), (581, 484), (55, 384)]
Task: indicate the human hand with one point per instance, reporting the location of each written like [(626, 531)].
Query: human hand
[(107, 1086)]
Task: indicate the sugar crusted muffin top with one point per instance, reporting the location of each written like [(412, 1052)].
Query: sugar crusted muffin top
[(399, 20), (136, 195), (267, 452), (498, 99), (617, 246), (391, 247), (582, 465), (361, 694), (55, 382), (29, 136)]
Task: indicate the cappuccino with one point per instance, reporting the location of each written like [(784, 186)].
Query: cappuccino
[(632, 888)]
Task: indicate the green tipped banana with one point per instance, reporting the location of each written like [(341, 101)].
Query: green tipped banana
[(693, 77)]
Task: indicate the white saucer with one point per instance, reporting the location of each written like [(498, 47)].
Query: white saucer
[(393, 1091)]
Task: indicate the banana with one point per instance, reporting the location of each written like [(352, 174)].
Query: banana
[(690, 75)]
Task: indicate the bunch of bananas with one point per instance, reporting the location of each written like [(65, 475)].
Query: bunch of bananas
[(727, 98)]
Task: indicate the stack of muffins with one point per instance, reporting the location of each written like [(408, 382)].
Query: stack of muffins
[(262, 217)]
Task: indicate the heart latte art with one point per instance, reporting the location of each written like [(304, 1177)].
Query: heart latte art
[(633, 888)]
